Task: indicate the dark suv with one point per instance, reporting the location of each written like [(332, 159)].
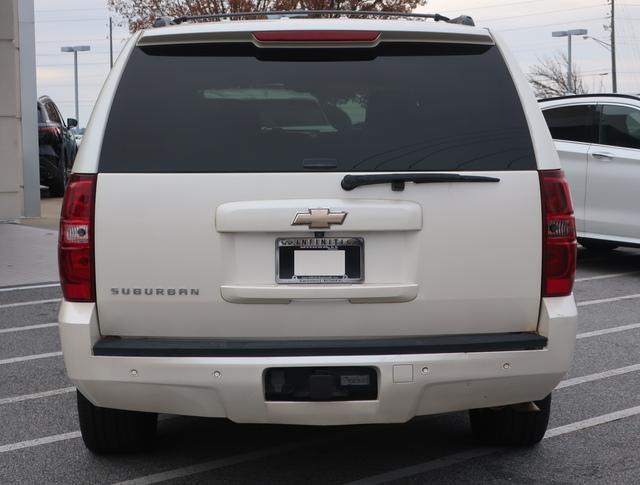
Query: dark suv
[(57, 146)]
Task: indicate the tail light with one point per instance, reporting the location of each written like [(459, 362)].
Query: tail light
[(53, 129), (559, 234), (75, 244)]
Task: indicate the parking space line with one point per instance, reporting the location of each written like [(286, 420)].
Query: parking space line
[(591, 422), (598, 376), (27, 303), (30, 287), (25, 358), (605, 276), (39, 441), (609, 330), (36, 395), (255, 455), (410, 471), (436, 464), (215, 464), (608, 300), (457, 458), (443, 462), (27, 327)]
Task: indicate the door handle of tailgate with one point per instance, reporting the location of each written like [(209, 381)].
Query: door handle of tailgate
[(604, 156), (362, 293), (276, 215)]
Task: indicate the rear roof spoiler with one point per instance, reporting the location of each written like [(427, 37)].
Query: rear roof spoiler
[(391, 30), (461, 20)]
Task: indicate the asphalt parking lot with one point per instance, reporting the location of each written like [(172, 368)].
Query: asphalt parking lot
[(594, 434)]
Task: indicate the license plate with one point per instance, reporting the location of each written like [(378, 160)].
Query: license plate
[(320, 260)]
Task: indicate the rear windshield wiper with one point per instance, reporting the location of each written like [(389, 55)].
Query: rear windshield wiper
[(397, 180)]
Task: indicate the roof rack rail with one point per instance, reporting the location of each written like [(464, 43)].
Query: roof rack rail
[(592, 95), (461, 20)]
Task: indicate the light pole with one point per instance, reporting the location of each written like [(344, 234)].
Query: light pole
[(75, 49), (568, 34)]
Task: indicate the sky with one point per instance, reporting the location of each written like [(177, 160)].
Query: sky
[(525, 25)]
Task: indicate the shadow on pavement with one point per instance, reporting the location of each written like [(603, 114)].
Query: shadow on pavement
[(615, 261)]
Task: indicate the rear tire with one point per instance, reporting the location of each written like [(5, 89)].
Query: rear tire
[(509, 426), (58, 184), (106, 430), (597, 245)]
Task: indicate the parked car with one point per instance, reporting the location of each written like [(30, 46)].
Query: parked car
[(78, 133), (224, 255), (57, 146), (598, 139)]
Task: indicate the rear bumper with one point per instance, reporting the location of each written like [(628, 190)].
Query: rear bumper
[(440, 344), (409, 384)]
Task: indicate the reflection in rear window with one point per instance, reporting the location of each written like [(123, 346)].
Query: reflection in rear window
[(238, 108)]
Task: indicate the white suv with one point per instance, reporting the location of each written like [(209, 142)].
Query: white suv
[(320, 222), (598, 140)]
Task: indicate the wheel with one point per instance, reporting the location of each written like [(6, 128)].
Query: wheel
[(106, 430), (58, 184), (597, 245), (511, 425)]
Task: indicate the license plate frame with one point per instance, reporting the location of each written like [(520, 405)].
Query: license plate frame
[(354, 259)]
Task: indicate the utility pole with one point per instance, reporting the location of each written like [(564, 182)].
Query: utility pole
[(614, 74), (111, 41)]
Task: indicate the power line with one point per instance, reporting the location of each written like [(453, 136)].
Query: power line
[(539, 13), (37, 21), (84, 82), (550, 25), (92, 53), (497, 5), (87, 100), (608, 68), (60, 41), (67, 64), (57, 10), (627, 30), (93, 76)]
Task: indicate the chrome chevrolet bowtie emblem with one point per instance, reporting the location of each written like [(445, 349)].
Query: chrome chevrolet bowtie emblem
[(318, 218)]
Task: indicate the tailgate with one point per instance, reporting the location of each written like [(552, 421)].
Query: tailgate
[(188, 255)]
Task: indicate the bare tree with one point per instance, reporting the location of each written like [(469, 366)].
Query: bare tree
[(141, 13), (549, 78)]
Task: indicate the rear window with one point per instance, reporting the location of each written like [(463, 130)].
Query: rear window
[(239, 108)]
